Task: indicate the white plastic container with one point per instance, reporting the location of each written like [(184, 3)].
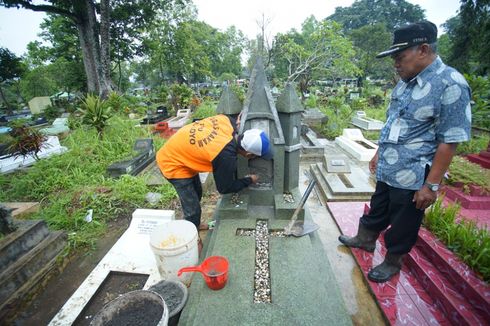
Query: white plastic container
[(175, 246)]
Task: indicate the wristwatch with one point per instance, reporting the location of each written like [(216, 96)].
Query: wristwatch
[(432, 186)]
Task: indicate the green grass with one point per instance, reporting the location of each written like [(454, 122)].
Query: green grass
[(464, 238), (462, 170), (205, 110), (68, 185)]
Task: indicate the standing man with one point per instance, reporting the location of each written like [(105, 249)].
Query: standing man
[(429, 114), (209, 145)]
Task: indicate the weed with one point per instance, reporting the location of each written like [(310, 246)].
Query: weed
[(68, 185), (463, 237)]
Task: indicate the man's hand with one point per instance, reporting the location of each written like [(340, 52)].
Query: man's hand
[(254, 178), (373, 163), (424, 198)]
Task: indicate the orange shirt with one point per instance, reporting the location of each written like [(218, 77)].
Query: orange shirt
[(193, 148)]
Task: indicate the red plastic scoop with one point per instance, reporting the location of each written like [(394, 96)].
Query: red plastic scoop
[(214, 270)]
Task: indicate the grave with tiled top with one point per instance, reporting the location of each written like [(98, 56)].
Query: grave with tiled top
[(483, 158), (354, 143), (339, 181), (129, 258), (362, 121), (12, 162), (298, 285), (474, 203), (433, 288)]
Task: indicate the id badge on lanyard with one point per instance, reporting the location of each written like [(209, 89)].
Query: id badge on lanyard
[(395, 131), (396, 127)]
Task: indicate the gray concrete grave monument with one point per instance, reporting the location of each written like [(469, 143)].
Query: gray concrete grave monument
[(229, 103), (362, 121), (273, 279)]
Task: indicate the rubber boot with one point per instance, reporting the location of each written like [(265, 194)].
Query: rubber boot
[(365, 239), (387, 269)]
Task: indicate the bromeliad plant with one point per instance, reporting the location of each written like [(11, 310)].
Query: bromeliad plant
[(464, 238), (95, 112), (25, 141)]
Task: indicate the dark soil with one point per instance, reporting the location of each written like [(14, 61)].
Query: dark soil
[(61, 287), (171, 293), (115, 284), (141, 313)]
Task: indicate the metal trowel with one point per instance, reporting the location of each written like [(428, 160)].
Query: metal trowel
[(300, 228)]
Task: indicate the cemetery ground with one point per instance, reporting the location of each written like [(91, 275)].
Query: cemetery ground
[(68, 185)]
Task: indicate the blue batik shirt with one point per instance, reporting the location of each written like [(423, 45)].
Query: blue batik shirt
[(432, 108)]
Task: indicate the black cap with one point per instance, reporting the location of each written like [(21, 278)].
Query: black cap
[(410, 35)]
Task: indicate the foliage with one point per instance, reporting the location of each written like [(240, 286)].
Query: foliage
[(370, 40), (464, 238), (475, 145), (467, 173), (37, 82), (480, 88), (205, 110), (10, 68), (181, 96), (25, 140), (10, 65), (115, 102), (239, 91), (95, 113), (339, 114), (470, 40), (392, 14), (70, 184), (319, 51), (51, 112)]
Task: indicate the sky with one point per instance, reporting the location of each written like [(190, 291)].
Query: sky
[(19, 27)]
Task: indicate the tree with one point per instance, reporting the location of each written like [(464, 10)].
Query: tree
[(391, 13), (94, 33), (318, 51), (10, 68), (370, 40), (469, 37)]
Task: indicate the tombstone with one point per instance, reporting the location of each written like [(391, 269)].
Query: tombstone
[(229, 103), (312, 147), (272, 279), (59, 126), (152, 118), (338, 181), (11, 162), (180, 119), (129, 262), (362, 121), (483, 158), (354, 143), (275, 177), (314, 117), (7, 224), (144, 155)]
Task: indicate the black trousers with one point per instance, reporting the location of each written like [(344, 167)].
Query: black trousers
[(190, 194), (394, 207)]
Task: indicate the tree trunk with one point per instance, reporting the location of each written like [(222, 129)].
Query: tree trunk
[(105, 60), (96, 68), (5, 100)]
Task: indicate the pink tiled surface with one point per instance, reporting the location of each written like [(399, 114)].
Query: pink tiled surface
[(420, 294), (480, 213), (478, 159)]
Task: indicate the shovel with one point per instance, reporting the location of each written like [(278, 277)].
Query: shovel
[(301, 228)]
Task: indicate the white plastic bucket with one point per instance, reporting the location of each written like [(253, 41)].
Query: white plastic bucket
[(175, 246)]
